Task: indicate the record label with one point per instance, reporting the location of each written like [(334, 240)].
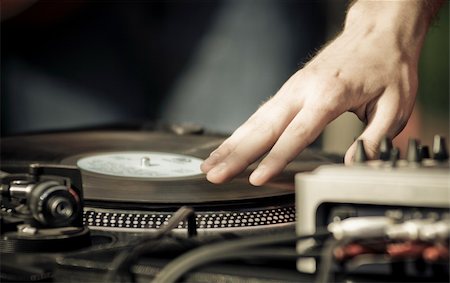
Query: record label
[(142, 164)]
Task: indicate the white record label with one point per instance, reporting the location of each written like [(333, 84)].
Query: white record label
[(157, 165)]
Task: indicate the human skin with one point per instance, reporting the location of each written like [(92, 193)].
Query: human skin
[(370, 69)]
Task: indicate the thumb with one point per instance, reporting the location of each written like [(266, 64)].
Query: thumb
[(383, 124)]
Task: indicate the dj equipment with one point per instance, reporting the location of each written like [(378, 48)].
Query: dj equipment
[(132, 185), (403, 203), (43, 210), (109, 205), (134, 181)]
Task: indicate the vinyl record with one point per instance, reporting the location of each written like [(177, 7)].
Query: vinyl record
[(146, 167)]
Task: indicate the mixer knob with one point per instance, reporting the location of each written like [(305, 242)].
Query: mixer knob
[(440, 152), (424, 151), (385, 149), (394, 156), (360, 153), (413, 154)]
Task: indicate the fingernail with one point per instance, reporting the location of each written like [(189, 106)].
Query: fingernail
[(218, 169), (213, 158), (257, 175)]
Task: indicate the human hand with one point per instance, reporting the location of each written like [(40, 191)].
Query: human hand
[(370, 70)]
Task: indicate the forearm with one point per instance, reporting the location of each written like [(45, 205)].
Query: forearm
[(430, 7), (404, 22)]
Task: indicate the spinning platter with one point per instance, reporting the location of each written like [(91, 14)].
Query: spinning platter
[(137, 179)]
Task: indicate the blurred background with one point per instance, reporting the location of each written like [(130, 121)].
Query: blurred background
[(81, 64), (71, 64)]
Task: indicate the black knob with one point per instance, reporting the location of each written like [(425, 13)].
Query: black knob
[(61, 208), (360, 153), (413, 154), (394, 156), (440, 152), (385, 149), (53, 205), (424, 151)]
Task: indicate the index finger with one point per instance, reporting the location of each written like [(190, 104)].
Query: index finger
[(249, 142), (301, 132)]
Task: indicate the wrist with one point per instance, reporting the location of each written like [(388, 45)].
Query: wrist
[(403, 23)]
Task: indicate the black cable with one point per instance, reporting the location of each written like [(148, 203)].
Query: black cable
[(263, 253), (275, 253), (147, 244), (183, 213), (214, 252)]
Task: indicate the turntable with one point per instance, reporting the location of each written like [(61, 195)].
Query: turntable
[(134, 181), (129, 199)]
